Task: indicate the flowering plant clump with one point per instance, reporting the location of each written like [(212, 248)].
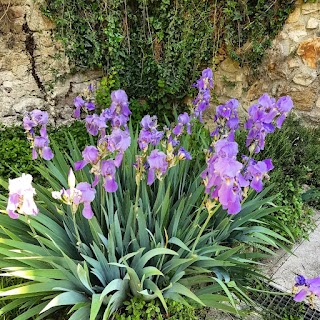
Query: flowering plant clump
[(156, 222)]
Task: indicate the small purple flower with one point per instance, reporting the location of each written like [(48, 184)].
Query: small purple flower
[(94, 124), (183, 120), (90, 106), (21, 195), (309, 288), (158, 165), (108, 170), (119, 140), (225, 148), (300, 280), (28, 123), (184, 154), (91, 87), (149, 133), (85, 196), (90, 155), (39, 117), (47, 153), (78, 103), (35, 118), (257, 171), (284, 105), (223, 178), (120, 103), (148, 122), (39, 143)]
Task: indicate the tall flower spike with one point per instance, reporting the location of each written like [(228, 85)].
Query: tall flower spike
[(40, 144), (204, 84)]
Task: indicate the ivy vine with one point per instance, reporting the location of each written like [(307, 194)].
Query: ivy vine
[(158, 47)]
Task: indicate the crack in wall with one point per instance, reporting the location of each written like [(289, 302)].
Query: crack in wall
[(30, 47)]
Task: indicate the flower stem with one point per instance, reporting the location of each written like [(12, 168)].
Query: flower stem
[(210, 215), (35, 235), (137, 198), (76, 229)]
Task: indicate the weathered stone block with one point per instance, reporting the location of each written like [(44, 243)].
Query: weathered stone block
[(16, 12), (294, 63), (313, 23), (230, 66), (304, 79), (297, 35), (303, 100), (309, 51), (37, 21), (309, 7)]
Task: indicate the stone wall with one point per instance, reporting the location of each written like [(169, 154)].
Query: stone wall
[(34, 71), (291, 67)]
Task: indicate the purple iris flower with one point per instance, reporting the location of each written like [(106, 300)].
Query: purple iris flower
[(94, 124), (47, 153), (39, 117), (90, 155), (149, 133), (28, 124), (300, 280), (158, 165), (108, 170), (78, 103), (148, 122), (257, 172), (183, 120), (118, 121), (208, 74), (227, 114), (85, 196), (264, 117), (284, 105), (119, 140), (120, 103), (184, 154), (35, 118), (227, 110), (41, 145), (90, 106), (310, 287), (107, 114), (226, 149)]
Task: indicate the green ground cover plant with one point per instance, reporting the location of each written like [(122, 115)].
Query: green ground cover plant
[(138, 216), (13, 145)]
